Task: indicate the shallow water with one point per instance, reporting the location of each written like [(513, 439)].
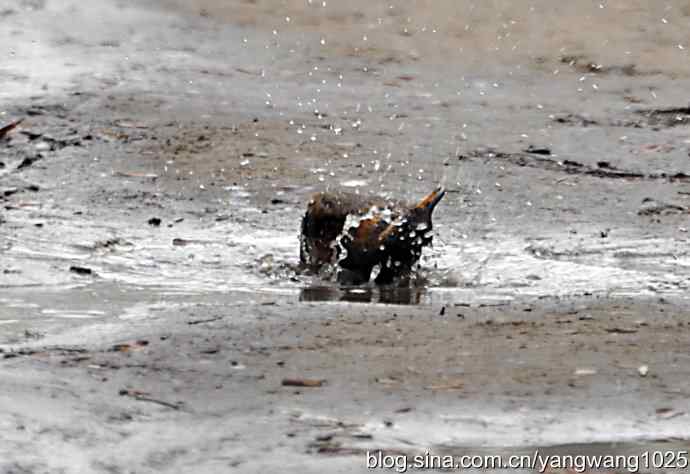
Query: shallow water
[(235, 257)]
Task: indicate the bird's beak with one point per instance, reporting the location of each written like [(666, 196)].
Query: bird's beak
[(431, 199)]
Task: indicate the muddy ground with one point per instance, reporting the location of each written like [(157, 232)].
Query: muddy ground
[(150, 307)]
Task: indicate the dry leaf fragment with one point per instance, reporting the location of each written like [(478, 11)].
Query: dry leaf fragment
[(302, 382), (8, 128)]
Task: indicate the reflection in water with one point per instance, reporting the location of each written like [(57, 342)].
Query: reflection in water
[(403, 296)]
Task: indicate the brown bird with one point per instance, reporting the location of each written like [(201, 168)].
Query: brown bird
[(359, 233)]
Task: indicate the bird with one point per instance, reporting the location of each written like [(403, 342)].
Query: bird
[(358, 233)]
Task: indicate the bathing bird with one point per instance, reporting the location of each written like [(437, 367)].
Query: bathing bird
[(359, 233)]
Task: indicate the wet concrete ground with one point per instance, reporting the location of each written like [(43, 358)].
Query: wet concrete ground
[(551, 311)]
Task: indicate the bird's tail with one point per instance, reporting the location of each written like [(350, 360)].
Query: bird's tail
[(430, 200)]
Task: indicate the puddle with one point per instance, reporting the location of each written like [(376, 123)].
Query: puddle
[(236, 257)]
